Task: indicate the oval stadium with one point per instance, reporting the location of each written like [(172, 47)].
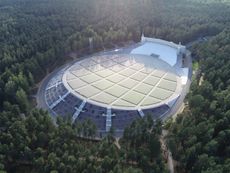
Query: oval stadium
[(116, 87)]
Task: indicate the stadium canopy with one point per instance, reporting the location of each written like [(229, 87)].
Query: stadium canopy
[(164, 52)]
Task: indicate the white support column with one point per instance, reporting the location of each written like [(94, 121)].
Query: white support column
[(142, 37), (78, 111), (141, 113), (61, 98), (109, 116), (108, 119), (55, 85)]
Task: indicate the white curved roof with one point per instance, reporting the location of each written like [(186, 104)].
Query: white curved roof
[(123, 81), (165, 52)]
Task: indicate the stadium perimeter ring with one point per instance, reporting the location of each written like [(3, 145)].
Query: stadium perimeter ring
[(114, 89)]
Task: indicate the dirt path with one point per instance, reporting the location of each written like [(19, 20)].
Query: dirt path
[(201, 79), (166, 152), (170, 163), (116, 142)]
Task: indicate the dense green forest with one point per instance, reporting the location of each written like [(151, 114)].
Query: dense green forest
[(36, 36), (200, 137), (35, 145)]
